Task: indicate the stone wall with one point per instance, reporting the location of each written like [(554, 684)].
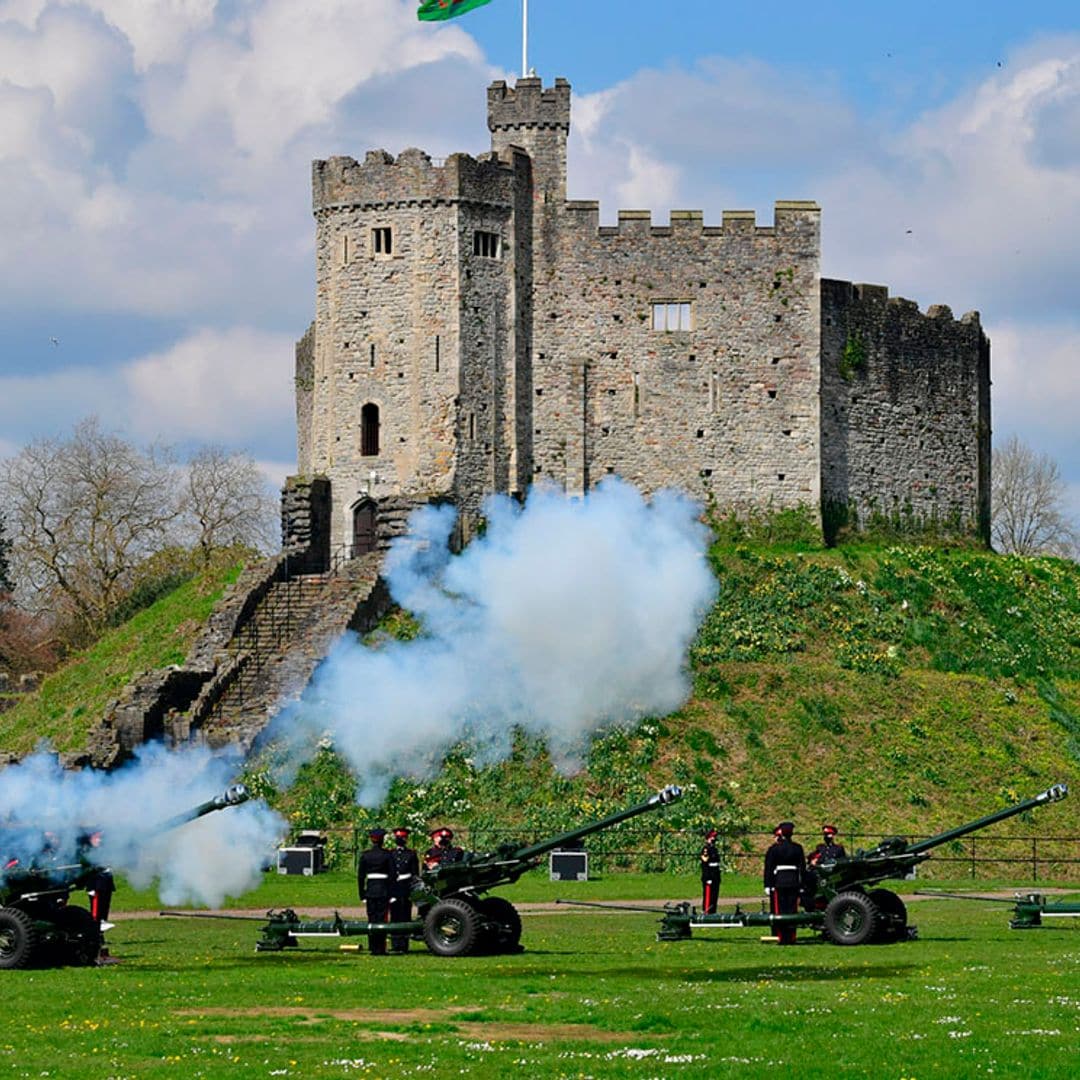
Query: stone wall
[(727, 408), (491, 372), (905, 411)]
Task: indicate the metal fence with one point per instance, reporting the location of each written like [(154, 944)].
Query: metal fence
[(1027, 858)]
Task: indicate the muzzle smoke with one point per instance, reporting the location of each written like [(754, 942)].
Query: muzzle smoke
[(44, 811), (565, 617)]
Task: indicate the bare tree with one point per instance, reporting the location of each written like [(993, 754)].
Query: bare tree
[(226, 501), (84, 512), (1028, 503), (6, 585)]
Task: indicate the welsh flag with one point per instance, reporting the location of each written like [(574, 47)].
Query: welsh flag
[(434, 10)]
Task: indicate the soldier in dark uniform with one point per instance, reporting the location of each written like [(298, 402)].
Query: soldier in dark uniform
[(710, 873), (374, 873), (785, 868), (443, 849), (828, 850), (406, 869)]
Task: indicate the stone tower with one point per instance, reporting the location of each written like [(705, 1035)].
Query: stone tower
[(476, 332)]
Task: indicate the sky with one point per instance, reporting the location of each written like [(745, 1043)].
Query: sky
[(157, 262)]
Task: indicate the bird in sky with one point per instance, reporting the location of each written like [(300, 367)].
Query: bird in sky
[(55, 341)]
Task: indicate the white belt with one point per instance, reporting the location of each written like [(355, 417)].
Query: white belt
[(779, 868), (712, 864), (404, 877), (372, 877)]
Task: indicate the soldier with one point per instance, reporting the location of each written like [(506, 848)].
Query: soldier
[(710, 873), (406, 869), (785, 868), (100, 887), (374, 873), (828, 850), (442, 850)]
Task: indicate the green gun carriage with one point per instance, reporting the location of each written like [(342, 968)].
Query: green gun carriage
[(38, 925), (454, 918), (847, 903)]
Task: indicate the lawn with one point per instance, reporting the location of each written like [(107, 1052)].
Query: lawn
[(593, 995)]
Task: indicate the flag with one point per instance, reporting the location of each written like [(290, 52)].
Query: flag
[(434, 10)]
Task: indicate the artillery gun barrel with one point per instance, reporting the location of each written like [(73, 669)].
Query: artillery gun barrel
[(1051, 794), (233, 795), (664, 797)]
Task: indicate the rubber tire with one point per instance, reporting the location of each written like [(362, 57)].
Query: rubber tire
[(851, 918), (18, 939), (83, 937), (889, 904), (452, 928), (506, 936)]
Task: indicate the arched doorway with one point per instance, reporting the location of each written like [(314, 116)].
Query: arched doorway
[(364, 535)]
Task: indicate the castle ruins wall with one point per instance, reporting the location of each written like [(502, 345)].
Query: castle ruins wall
[(905, 416)]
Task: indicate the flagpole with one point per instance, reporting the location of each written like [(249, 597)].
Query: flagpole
[(524, 38)]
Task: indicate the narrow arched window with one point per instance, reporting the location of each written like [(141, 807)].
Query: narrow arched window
[(369, 430)]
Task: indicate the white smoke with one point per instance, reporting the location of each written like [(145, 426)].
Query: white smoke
[(564, 617), (44, 810)]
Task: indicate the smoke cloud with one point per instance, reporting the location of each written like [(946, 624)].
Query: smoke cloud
[(564, 617), (44, 810)]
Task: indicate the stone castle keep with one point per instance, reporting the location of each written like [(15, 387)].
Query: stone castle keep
[(476, 332)]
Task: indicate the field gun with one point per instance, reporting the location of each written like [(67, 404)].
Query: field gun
[(37, 924), (840, 900), (1028, 909), (453, 918)]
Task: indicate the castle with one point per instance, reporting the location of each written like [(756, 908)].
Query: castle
[(476, 332)]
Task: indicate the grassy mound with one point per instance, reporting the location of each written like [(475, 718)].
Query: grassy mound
[(72, 699), (887, 689)]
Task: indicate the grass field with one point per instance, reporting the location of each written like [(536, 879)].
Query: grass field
[(593, 995)]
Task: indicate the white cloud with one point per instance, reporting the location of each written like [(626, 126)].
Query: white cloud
[(229, 386)]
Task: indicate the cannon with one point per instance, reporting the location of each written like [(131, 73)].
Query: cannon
[(1028, 909), (841, 901), (37, 923), (453, 917)]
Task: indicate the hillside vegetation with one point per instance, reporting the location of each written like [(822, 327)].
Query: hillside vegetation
[(887, 688), (73, 698)]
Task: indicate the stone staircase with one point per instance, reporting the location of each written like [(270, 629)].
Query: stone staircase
[(258, 651), (272, 656)]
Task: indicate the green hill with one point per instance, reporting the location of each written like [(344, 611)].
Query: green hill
[(73, 698), (894, 688), (887, 689)]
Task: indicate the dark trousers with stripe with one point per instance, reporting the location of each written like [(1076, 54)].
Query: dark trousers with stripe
[(378, 911), (785, 902)]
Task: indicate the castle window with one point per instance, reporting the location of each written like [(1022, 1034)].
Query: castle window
[(382, 241), (486, 244), (345, 253), (369, 430), (671, 316)]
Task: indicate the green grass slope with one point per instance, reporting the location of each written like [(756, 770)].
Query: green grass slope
[(888, 689), (74, 698)]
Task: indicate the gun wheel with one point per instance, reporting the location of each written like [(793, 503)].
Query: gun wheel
[(451, 928), (18, 939), (893, 922), (851, 918), (82, 936), (504, 934)]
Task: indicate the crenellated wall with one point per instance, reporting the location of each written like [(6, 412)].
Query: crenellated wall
[(507, 337), (727, 409), (905, 416)]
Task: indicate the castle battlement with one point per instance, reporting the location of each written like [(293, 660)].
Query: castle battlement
[(789, 216), (413, 179), (843, 294), (528, 106)]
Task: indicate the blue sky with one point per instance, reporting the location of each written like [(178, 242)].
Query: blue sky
[(157, 262)]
